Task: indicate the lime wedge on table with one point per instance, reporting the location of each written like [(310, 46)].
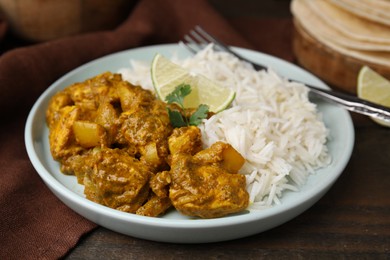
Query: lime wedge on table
[(166, 76), (375, 88)]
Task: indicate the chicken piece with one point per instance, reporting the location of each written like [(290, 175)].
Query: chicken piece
[(223, 154), (134, 98), (185, 140), (116, 180), (77, 165), (146, 126), (159, 184), (201, 185), (107, 116), (88, 95), (60, 136), (141, 127), (63, 145), (155, 206), (56, 103)]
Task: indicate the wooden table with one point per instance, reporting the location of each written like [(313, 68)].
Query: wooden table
[(352, 221)]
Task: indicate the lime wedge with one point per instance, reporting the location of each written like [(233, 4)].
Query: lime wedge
[(166, 76), (375, 88)]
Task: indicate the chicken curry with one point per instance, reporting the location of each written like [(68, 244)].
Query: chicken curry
[(118, 141)]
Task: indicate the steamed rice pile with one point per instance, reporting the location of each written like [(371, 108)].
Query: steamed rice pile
[(271, 123)]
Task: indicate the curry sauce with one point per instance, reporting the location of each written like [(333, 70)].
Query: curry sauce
[(116, 138)]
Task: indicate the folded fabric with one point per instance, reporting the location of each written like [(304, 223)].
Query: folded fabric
[(33, 69), (35, 224)]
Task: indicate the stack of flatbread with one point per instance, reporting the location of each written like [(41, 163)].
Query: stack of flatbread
[(335, 38)]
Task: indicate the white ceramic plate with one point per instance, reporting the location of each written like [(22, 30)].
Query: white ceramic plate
[(174, 227)]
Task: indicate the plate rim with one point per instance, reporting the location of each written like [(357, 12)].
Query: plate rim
[(55, 184)]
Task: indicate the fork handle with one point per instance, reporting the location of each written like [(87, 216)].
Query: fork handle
[(352, 103), (349, 102)]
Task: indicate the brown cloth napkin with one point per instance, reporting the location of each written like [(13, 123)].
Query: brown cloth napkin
[(34, 223)]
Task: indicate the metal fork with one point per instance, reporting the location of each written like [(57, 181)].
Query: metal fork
[(198, 38)]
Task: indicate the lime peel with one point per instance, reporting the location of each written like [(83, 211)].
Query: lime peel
[(166, 76), (373, 87)]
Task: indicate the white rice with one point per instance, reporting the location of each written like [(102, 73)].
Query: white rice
[(271, 123)]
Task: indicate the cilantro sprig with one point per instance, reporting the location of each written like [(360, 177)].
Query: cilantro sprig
[(176, 117)]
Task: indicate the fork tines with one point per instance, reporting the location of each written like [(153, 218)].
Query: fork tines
[(198, 38)]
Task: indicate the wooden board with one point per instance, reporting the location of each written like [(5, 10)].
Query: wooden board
[(336, 69)]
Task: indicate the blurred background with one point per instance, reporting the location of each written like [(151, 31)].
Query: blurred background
[(253, 8), (42, 20)]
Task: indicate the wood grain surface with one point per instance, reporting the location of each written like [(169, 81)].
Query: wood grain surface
[(352, 221)]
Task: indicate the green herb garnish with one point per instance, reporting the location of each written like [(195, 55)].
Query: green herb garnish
[(176, 117)]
